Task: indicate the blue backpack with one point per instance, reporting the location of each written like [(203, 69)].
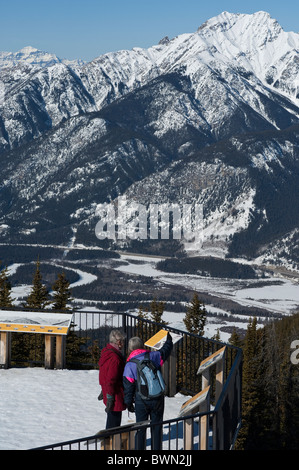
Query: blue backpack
[(150, 383)]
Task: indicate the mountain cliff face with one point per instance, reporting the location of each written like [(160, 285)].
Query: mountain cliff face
[(210, 117)]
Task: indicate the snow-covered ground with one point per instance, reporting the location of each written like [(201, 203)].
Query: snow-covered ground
[(40, 407)]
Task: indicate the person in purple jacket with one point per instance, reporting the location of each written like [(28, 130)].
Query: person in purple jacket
[(150, 408)]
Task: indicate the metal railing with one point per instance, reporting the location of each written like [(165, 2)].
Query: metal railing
[(224, 416), (174, 437)]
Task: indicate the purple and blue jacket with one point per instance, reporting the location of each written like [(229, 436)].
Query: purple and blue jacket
[(130, 371)]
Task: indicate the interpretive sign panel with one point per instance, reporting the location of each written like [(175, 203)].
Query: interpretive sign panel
[(35, 322), (189, 406), (169, 367), (157, 341), (211, 360)]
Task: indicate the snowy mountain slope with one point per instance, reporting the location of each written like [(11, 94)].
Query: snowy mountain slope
[(211, 115), (38, 99), (254, 45), (247, 187)]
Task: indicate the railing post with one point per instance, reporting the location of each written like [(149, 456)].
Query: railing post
[(5, 349), (60, 351), (49, 351), (188, 434), (205, 378), (169, 374), (204, 407), (219, 376)]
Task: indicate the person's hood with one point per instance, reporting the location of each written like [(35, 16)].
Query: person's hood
[(136, 352)]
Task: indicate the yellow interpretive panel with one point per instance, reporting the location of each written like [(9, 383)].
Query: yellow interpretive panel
[(35, 322), (14, 327), (157, 341)]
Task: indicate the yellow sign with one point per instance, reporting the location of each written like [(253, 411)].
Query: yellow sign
[(157, 340), (21, 321), (33, 328)]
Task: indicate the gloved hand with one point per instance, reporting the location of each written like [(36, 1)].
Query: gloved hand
[(110, 403), (131, 408)]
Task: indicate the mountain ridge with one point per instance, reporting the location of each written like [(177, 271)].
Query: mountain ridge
[(191, 113)]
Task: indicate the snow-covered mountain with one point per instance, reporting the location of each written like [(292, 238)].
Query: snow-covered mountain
[(254, 45), (210, 116), (32, 56)]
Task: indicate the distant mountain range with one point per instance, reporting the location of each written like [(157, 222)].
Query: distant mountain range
[(32, 56), (210, 117)]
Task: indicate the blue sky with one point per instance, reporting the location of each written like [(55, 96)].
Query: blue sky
[(88, 28)]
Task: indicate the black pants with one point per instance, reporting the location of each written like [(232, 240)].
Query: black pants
[(113, 419), (153, 409)]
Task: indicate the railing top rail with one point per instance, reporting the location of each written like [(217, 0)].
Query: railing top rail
[(161, 325)]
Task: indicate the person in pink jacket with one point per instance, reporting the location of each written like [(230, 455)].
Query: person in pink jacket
[(111, 367), (151, 408)]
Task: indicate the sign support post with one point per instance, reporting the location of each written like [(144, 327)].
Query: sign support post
[(217, 359), (5, 349), (199, 403), (53, 325)]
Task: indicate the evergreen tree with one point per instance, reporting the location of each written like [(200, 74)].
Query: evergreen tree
[(235, 339), (196, 315), (194, 321), (249, 436), (39, 296), (270, 398), (94, 351), (75, 351), (156, 313), (280, 379), (62, 293), (5, 290), (216, 336), (38, 299), (142, 312), (142, 327)]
